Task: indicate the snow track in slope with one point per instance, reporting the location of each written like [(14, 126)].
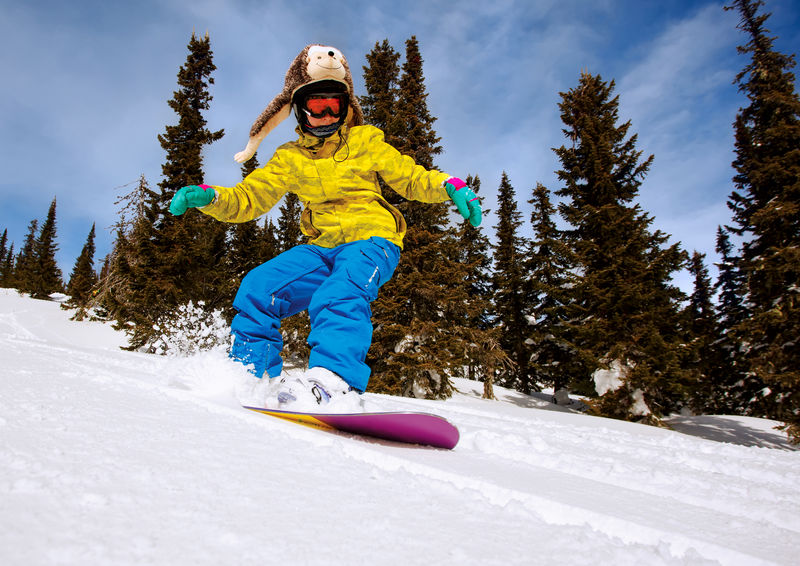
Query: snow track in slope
[(665, 465), (92, 454)]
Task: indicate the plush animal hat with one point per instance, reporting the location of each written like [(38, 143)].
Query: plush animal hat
[(314, 63)]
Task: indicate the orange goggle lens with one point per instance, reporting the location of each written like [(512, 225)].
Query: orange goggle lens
[(318, 107)]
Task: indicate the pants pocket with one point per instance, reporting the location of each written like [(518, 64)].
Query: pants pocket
[(374, 266)]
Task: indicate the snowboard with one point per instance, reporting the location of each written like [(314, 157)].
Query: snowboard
[(409, 428)]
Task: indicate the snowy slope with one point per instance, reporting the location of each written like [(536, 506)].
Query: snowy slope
[(111, 457)]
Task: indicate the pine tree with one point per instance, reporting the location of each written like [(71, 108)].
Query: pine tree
[(98, 305), (413, 120), (734, 385), (25, 266), (623, 315), (289, 232), (701, 307), (83, 279), (703, 351), (182, 258), (5, 253), (246, 248), (484, 357), (131, 252), (271, 242), (294, 329), (510, 288), (250, 165), (411, 132), (3, 243), (419, 338), (380, 107), (46, 277), (766, 210), (548, 270), (7, 268), (474, 252), (381, 78), (730, 284)]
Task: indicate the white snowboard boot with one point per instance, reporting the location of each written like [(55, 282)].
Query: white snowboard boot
[(318, 390)]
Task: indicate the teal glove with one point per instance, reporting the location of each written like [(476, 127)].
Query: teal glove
[(191, 197), (466, 200)]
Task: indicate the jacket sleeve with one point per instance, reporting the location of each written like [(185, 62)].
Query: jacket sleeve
[(400, 172), (255, 195)]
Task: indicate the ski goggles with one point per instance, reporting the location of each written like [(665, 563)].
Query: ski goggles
[(332, 104)]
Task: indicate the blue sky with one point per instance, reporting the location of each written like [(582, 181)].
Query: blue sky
[(86, 84)]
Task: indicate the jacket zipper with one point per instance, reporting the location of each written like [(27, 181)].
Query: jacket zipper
[(398, 227)]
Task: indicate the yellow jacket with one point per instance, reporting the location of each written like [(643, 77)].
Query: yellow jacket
[(336, 179)]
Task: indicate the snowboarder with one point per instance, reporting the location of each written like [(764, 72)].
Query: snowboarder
[(355, 235)]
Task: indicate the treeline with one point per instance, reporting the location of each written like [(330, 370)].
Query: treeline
[(585, 304), (34, 269)]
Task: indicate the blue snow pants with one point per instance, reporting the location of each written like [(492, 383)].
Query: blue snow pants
[(336, 286)]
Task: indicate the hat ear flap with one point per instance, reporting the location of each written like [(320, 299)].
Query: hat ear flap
[(257, 136), (350, 120), (355, 116)]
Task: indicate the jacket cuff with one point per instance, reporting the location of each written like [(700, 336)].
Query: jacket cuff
[(209, 208)]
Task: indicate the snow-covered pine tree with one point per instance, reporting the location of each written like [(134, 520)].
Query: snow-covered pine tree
[(83, 279), (766, 211), (46, 276), (184, 255), (624, 313), (549, 274), (510, 289)]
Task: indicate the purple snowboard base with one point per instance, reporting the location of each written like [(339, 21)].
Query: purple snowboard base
[(409, 428)]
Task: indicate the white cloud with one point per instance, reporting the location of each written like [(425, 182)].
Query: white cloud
[(680, 98), (688, 62)]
